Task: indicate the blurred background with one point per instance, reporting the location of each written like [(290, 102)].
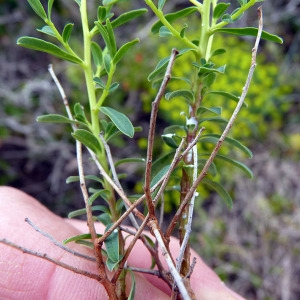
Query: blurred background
[(254, 247)]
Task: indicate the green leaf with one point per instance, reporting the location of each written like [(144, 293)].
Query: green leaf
[(214, 138), (209, 79), (227, 18), (233, 162), (106, 38), (107, 62), (78, 2), (99, 82), (112, 244), (84, 236), (251, 31), (82, 211), (128, 16), (226, 95), (203, 110), (159, 175), (173, 16), (187, 94), (123, 50), (220, 190), (113, 87), (161, 4), (43, 46), (237, 164), (47, 30), (99, 193), (87, 139), (162, 64), (220, 10), (89, 177), (182, 31), (243, 2), (217, 52), (54, 118), (101, 14), (67, 32), (97, 54), (171, 140), (112, 38), (50, 4), (164, 32), (132, 288), (129, 160), (206, 70), (38, 8), (119, 119)]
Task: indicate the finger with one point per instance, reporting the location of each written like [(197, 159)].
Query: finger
[(23, 276)]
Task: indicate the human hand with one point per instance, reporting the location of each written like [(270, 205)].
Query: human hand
[(23, 276)]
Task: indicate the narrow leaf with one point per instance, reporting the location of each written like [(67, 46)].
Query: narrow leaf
[(220, 190), (112, 244), (87, 139), (112, 39), (101, 14), (123, 50), (43, 46), (54, 118), (132, 288), (119, 119), (50, 4), (126, 17), (203, 110), (105, 37), (162, 64), (173, 16), (97, 54), (187, 94), (99, 82), (107, 62), (227, 18), (113, 87), (220, 10), (214, 138), (237, 164), (217, 52), (84, 236), (129, 160), (89, 177), (161, 4), (251, 31), (226, 95), (100, 193), (47, 30), (164, 32), (82, 211), (38, 8), (67, 32), (160, 174)]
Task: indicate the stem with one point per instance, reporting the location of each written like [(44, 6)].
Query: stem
[(87, 68), (162, 18)]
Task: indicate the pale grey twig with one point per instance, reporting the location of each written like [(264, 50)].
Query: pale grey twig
[(58, 244), (52, 260)]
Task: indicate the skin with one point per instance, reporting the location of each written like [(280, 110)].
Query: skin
[(23, 276)]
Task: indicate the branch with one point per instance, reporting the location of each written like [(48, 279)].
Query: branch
[(151, 134), (56, 243), (52, 260), (225, 132)]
